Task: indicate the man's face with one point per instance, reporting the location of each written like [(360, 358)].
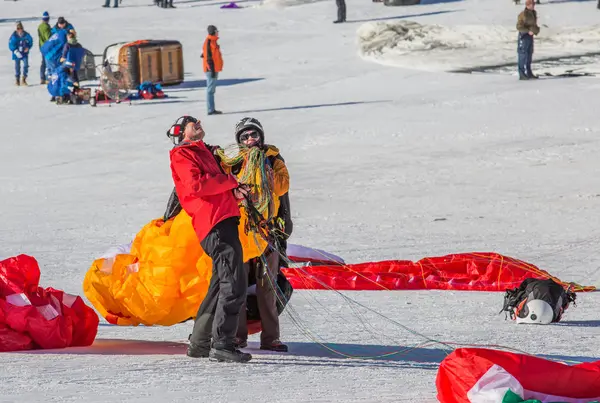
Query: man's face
[(61, 25), (194, 131), (250, 138), (530, 5), (20, 31)]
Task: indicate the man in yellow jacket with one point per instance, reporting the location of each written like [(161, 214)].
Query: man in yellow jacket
[(250, 133)]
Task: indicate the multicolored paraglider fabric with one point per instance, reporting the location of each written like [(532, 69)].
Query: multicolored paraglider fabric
[(473, 375), (32, 317)]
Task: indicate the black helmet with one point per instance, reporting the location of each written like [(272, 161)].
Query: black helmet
[(175, 133), (212, 30), (249, 124)]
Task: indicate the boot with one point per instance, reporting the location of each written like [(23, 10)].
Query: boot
[(198, 350), (229, 355), (277, 346), (240, 343), (24, 80), (17, 82)]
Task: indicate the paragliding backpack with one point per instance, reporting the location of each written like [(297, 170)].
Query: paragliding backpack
[(515, 300)]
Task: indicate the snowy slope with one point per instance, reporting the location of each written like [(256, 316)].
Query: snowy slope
[(377, 154)]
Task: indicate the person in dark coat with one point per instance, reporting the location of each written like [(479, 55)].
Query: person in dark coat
[(115, 4), (73, 54), (341, 11), (527, 27), (62, 24)]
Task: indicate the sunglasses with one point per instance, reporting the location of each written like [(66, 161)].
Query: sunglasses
[(247, 135)]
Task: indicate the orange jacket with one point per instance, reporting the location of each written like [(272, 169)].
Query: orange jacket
[(213, 60)]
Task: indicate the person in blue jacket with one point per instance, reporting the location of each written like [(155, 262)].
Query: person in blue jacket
[(20, 43), (73, 53), (62, 24)]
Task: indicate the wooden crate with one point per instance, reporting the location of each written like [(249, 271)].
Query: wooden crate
[(150, 64), (172, 64)]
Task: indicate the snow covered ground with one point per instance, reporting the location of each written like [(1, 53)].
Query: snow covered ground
[(378, 154)]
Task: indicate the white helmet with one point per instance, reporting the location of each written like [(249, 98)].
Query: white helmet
[(536, 311)]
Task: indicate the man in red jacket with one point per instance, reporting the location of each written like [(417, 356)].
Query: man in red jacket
[(210, 197)]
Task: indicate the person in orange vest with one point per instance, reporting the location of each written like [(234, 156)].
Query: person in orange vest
[(213, 64)]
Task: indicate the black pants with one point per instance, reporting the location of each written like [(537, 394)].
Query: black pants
[(219, 312), (115, 3), (341, 6), (43, 69)]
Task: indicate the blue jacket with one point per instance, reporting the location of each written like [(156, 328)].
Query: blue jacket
[(59, 82), (73, 54), (20, 43), (52, 49), (67, 28)]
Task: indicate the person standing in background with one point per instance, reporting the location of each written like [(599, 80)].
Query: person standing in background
[(20, 43), (527, 27), (341, 11), (213, 65), (44, 33), (115, 4)]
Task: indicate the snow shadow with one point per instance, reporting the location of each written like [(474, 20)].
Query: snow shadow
[(367, 351), (406, 16), (14, 20), (351, 355), (565, 1), (121, 347), (428, 2), (194, 84), (220, 3), (287, 108), (580, 323)]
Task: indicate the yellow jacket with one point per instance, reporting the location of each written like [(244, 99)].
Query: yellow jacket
[(252, 244)]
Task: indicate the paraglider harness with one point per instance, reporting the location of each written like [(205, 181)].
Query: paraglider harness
[(515, 300)]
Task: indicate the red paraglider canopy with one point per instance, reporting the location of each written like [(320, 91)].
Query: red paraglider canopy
[(32, 317), (485, 271), (472, 375)]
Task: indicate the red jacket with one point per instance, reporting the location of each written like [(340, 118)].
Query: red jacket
[(204, 191)]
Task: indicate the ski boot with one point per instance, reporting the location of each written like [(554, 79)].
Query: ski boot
[(228, 354), (240, 343), (198, 350), (276, 346)]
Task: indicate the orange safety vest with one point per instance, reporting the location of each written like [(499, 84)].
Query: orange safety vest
[(213, 60)]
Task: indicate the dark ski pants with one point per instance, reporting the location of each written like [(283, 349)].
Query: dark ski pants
[(218, 315), (43, 69), (266, 286), (341, 10), (525, 51), (115, 3)]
